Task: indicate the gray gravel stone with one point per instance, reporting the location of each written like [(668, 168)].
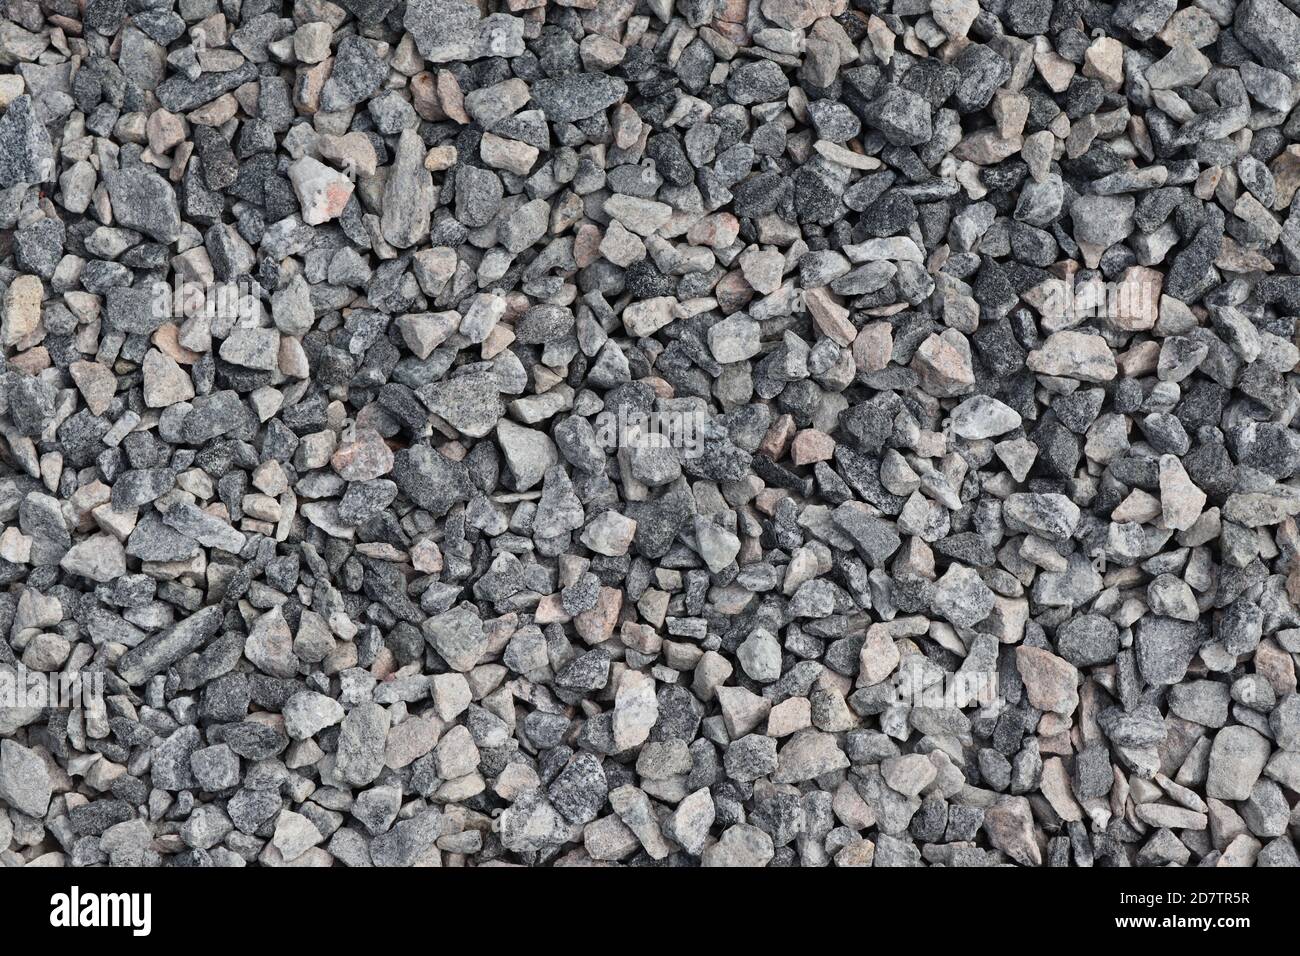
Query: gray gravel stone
[(772, 433)]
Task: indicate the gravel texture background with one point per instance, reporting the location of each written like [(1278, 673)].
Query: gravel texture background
[(710, 432)]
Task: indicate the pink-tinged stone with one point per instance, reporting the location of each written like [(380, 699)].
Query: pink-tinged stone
[(308, 86), (873, 346), (831, 317), (810, 446), (597, 625), (426, 556), (1051, 682), (778, 438), (424, 97), (1137, 299), (586, 245), (550, 610), (943, 364), (1286, 174), (718, 231), (450, 97), (732, 292), (322, 192), (364, 458)]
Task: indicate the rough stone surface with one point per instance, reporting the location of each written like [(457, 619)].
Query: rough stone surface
[(671, 432)]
